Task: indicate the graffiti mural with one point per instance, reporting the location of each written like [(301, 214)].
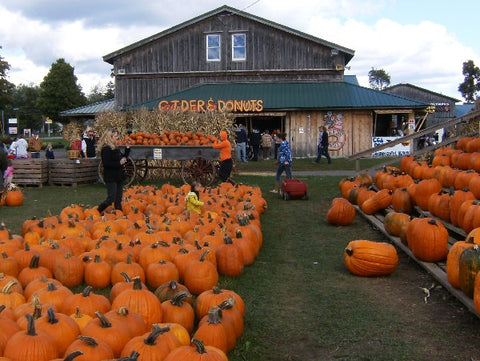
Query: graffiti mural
[(336, 133)]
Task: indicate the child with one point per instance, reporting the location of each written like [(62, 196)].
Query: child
[(193, 203), (8, 174), (49, 154)]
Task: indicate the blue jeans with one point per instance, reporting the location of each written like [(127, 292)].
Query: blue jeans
[(242, 151), (284, 167), (323, 151)]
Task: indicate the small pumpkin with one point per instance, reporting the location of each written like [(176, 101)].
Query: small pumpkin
[(368, 258)]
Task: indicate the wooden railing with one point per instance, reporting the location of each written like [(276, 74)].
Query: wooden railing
[(410, 137)]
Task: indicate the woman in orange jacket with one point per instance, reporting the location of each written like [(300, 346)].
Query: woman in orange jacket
[(225, 158)]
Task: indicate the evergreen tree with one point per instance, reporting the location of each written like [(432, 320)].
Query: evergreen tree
[(378, 79), (471, 84), (59, 90)]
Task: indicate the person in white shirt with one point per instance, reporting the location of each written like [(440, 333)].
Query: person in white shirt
[(20, 147)]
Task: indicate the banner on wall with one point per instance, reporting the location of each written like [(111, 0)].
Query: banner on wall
[(394, 151)]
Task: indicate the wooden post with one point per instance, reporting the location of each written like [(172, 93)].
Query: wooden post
[(357, 165)]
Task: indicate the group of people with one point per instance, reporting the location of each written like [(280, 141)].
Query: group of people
[(257, 140)]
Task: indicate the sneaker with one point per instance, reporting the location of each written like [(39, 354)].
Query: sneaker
[(274, 191)]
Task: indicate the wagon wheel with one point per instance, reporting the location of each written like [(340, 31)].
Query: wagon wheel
[(129, 172), (199, 169), (141, 169)]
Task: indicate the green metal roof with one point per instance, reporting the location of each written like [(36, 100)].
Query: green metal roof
[(90, 109), (110, 57), (290, 96)]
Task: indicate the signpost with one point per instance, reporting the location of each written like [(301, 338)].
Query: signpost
[(48, 121)]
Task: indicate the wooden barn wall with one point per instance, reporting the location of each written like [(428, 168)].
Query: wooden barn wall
[(352, 128), (442, 112), (178, 60)]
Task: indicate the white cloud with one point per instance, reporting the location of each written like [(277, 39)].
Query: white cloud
[(425, 53)]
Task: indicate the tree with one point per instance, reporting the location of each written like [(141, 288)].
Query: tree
[(5, 86), (25, 100), (59, 90), (471, 84), (378, 79), (99, 93)]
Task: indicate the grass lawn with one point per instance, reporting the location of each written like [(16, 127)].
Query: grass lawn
[(301, 302)]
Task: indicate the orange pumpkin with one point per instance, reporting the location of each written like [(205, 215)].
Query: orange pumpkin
[(368, 258)]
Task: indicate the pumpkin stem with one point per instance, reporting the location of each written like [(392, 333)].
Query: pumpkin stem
[(349, 251), (51, 287), (215, 315), (227, 304), (34, 261), (73, 355), (90, 341), (137, 283), (86, 291), (104, 322), (204, 254), (51, 316), (126, 277), (173, 285), (179, 298), (217, 290), (30, 325), (7, 289), (157, 331), (199, 346)]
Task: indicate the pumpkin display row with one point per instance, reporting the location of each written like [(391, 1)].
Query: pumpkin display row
[(153, 240), (169, 138), (450, 194)]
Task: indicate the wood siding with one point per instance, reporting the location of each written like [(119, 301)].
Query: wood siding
[(302, 131), (445, 106), (178, 61)]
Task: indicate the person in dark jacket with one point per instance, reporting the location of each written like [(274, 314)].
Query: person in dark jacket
[(89, 143), (323, 145), (255, 140), (113, 161), (241, 139)]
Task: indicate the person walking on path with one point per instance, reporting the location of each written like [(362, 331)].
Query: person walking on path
[(323, 145), (277, 140), (284, 161), (113, 161), (255, 140), (266, 144), (241, 143), (225, 158)]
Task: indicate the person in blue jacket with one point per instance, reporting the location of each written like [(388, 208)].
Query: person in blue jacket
[(284, 161)]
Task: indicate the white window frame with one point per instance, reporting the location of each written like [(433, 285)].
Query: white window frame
[(213, 47), (236, 47)]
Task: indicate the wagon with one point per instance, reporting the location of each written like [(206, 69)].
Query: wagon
[(196, 162)]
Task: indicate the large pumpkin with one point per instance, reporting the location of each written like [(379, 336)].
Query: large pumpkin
[(341, 212), (14, 198), (469, 266), (368, 258), (427, 239)]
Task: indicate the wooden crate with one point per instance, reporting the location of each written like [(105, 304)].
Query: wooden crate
[(71, 172), (31, 171)]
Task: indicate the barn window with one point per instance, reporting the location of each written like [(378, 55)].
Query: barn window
[(213, 47), (239, 48)]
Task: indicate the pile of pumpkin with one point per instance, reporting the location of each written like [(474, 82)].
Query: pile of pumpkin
[(161, 262), (169, 138), (448, 188)]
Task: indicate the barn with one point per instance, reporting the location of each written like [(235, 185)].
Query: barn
[(269, 75)]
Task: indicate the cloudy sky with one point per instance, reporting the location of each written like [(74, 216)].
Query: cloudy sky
[(422, 42)]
